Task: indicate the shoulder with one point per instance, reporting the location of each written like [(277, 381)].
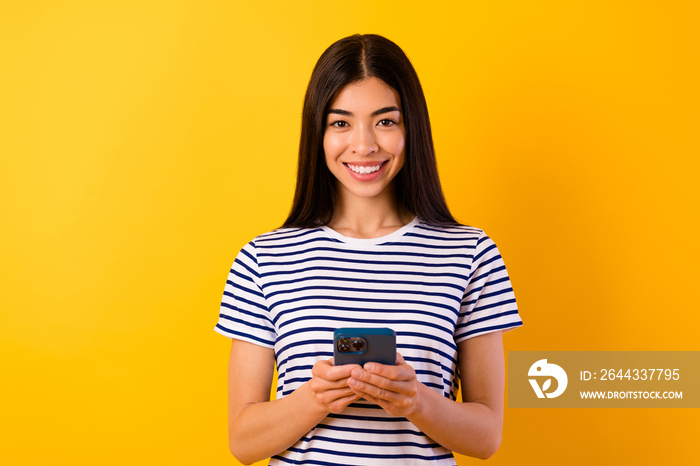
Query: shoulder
[(457, 235), (282, 236), (456, 229), (284, 240), (469, 242)]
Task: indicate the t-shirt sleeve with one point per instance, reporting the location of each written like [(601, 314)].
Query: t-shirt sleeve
[(244, 314), (488, 304)]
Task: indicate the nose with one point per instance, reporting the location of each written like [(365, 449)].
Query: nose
[(364, 141)]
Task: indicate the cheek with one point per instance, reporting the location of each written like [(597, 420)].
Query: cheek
[(400, 147), (394, 143), (400, 152), (332, 145)]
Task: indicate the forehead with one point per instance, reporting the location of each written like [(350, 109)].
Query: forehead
[(368, 94)]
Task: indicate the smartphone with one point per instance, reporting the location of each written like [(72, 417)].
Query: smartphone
[(363, 345)]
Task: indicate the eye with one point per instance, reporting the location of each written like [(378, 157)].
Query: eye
[(339, 124), (386, 122)]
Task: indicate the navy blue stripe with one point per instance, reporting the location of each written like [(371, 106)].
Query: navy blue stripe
[(325, 463), (296, 380), (293, 245), (355, 417), (437, 375), (485, 272), (365, 280), (372, 252), (363, 271), (245, 335), (372, 321), (482, 239), (246, 301), (313, 354), (298, 343), (250, 256), (245, 323), (365, 290), (307, 367), (278, 235), (251, 271), (369, 443), (410, 359), (365, 405), (246, 312), (368, 455), (361, 430), (495, 281), (241, 276), (361, 262), (473, 233), (488, 295), (421, 336), (400, 302), (253, 291), (368, 312), (490, 329), (448, 357), (471, 322), (442, 238), (304, 462), (484, 251), (435, 246), (491, 306)]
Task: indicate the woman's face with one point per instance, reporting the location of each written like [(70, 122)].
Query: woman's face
[(364, 138)]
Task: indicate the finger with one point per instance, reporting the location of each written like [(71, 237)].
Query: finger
[(327, 371), (399, 359), (341, 372), (374, 393), (319, 384), (399, 372), (374, 400), (338, 405), (329, 396), (405, 386)]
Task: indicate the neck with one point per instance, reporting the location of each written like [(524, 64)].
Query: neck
[(368, 217)]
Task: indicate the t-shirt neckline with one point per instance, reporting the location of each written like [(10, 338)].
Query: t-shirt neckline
[(393, 236)]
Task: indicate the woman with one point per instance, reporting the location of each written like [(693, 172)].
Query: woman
[(369, 242)]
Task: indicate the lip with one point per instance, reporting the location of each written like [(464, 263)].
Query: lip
[(366, 176)]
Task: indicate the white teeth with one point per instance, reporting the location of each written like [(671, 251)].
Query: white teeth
[(364, 170)]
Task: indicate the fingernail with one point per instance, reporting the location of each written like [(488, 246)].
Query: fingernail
[(352, 382), (369, 367)]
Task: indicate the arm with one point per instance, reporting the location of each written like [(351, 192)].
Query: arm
[(260, 428), (473, 427)]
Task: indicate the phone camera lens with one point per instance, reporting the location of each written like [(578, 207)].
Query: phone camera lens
[(351, 345), (344, 345)]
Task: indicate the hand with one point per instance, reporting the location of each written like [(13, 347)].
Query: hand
[(330, 385), (395, 388)]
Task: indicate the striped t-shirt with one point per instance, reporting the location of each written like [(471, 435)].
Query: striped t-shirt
[(434, 286)]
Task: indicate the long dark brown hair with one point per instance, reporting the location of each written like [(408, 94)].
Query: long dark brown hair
[(417, 185)]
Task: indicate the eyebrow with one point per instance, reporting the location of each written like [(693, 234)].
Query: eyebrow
[(374, 113)]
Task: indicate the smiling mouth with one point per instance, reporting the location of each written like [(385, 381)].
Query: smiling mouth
[(365, 169)]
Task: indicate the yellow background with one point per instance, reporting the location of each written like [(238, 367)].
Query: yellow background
[(144, 142)]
